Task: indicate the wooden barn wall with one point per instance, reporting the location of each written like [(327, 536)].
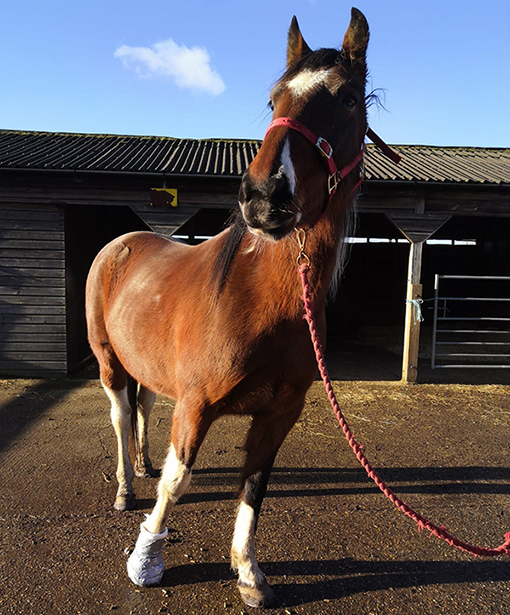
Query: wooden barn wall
[(32, 290), (53, 224), (51, 227)]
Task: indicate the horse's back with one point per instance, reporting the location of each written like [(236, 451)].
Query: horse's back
[(125, 253), (135, 243)]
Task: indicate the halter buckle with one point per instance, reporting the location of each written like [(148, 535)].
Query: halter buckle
[(324, 147)]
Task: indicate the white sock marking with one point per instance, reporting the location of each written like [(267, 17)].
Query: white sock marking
[(120, 414), (175, 479), (119, 401), (243, 548), (176, 475)]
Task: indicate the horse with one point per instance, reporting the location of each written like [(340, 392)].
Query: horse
[(218, 327)]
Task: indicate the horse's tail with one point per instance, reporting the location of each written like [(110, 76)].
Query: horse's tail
[(132, 393)]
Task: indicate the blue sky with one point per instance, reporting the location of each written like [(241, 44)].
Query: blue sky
[(199, 69)]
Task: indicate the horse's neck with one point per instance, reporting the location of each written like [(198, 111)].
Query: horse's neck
[(277, 281)]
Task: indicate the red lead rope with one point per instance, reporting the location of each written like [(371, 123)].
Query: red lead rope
[(439, 532)]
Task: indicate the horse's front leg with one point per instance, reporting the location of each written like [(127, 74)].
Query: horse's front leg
[(145, 565), (264, 438)]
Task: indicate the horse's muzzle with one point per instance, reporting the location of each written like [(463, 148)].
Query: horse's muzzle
[(266, 205)]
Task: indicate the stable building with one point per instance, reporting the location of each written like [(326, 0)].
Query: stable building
[(439, 218)]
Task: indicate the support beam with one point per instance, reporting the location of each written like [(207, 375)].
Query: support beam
[(412, 320), (418, 227), (165, 220)]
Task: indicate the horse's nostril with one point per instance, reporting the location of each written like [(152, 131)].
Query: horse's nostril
[(281, 193), (245, 189), (275, 190)]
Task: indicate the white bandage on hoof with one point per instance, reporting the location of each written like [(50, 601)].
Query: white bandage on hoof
[(145, 565)]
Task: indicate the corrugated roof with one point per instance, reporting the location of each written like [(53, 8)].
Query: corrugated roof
[(224, 157), (128, 154), (441, 164)]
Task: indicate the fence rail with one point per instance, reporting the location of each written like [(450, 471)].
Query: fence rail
[(464, 347)]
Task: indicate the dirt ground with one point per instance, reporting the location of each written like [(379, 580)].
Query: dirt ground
[(328, 541)]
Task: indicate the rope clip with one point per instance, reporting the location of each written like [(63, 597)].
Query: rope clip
[(303, 258)]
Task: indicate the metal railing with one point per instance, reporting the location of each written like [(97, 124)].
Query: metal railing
[(472, 337)]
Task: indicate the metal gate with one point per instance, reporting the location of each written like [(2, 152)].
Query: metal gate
[(471, 331)]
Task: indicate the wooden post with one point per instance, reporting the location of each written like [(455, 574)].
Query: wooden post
[(412, 321)]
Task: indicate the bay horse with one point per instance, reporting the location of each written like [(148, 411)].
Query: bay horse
[(219, 326)]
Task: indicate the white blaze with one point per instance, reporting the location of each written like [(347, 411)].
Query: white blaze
[(287, 167), (307, 80)]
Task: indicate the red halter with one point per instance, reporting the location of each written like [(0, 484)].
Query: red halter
[(335, 175)]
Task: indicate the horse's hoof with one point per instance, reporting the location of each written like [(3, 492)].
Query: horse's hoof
[(125, 502), (261, 597), (147, 472)]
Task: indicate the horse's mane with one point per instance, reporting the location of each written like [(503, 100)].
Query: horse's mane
[(314, 60), (234, 237)]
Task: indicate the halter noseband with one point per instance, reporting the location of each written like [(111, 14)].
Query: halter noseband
[(335, 175)]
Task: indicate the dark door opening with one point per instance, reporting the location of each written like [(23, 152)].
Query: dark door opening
[(87, 230)]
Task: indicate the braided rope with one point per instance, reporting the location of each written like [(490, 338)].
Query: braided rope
[(439, 532)]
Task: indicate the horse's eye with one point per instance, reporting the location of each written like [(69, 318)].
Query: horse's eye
[(270, 104), (349, 101)]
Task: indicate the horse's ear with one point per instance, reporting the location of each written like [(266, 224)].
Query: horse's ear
[(356, 38), (296, 45)]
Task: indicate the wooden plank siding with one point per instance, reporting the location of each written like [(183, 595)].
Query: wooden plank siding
[(32, 290)]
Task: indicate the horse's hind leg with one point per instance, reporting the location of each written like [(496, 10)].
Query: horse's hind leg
[(120, 414), (145, 564), (143, 464), (264, 438), (113, 377)]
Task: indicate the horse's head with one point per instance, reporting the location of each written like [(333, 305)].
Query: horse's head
[(324, 91)]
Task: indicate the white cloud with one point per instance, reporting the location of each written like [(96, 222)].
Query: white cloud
[(189, 68)]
